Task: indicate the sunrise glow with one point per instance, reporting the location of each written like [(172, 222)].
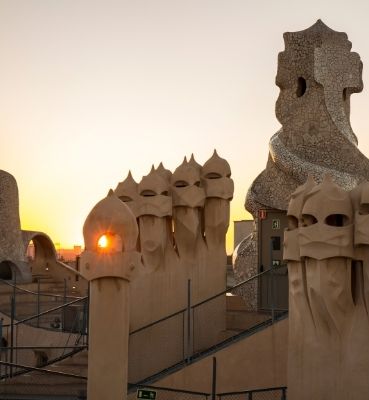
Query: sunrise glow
[(103, 242)]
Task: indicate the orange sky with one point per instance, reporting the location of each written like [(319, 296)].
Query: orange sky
[(91, 89)]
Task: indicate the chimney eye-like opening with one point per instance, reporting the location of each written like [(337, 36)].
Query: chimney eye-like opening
[(125, 199), (148, 193), (213, 175), (364, 209), (337, 220), (293, 222), (180, 184), (308, 219)]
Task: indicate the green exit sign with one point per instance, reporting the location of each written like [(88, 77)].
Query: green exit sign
[(276, 224), (146, 394)]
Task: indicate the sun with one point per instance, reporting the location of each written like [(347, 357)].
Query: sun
[(103, 242), (109, 243)]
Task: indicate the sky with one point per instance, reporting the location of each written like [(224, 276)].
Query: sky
[(92, 89)]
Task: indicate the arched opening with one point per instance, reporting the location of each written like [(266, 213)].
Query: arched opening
[(31, 251), (43, 248), (6, 270), (40, 254)]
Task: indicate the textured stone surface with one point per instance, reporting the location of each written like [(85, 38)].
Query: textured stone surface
[(182, 218), (11, 248), (326, 246), (245, 265), (316, 75)]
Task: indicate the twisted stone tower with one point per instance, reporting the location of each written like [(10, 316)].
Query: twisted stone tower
[(317, 73)]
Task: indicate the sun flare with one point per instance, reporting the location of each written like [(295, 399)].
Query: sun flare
[(103, 242)]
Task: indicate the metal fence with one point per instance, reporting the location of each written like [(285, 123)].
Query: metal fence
[(198, 328), (277, 393)]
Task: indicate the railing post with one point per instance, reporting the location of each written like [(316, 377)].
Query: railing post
[(272, 280), (6, 368), (214, 379), (84, 318), (14, 287), (88, 314), (38, 302), (189, 320), (183, 336), (1, 344), (249, 396), (64, 301), (284, 397), (12, 315), (65, 291)]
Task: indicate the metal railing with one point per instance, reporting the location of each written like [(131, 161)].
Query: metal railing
[(202, 328), (276, 393), (194, 331), (71, 319), (45, 382), (27, 303)]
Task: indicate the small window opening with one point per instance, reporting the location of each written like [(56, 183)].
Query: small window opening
[(301, 87), (276, 242)]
